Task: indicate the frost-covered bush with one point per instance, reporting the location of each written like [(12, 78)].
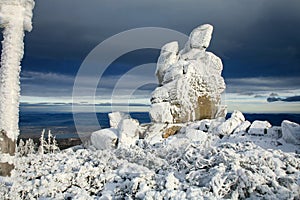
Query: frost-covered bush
[(48, 145), (25, 148)]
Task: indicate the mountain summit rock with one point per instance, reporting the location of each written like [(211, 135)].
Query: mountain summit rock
[(190, 81)]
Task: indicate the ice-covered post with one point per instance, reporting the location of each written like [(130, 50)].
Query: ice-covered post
[(15, 18)]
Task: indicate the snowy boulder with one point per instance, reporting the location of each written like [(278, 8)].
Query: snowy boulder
[(128, 132), (173, 130), (105, 138), (290, 132), (214, 125), (201, 36), (259, 127), (202, 125), (190, 82), (153, 132), (236, 119), (242, 128), (116, 117)]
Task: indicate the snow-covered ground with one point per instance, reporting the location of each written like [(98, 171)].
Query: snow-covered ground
[(193, 164)]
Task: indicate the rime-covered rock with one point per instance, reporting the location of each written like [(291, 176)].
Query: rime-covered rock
[(123, 132), (242, 128), (168, 56), (259, 127), (173, 130), (190, 81), (196, 135), (105, 138), (236, 119), (160, 112), (214, 125), (116, 117), (290, 132), (202, 125), (128, 132), (153, 132)]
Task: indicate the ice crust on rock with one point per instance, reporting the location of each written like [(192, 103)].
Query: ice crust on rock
[(190, 81), (291, 132)]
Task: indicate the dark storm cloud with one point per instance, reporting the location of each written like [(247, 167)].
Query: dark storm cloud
[(257, 38), (249, 30)]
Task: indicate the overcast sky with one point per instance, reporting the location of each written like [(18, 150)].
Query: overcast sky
[(258, 41)]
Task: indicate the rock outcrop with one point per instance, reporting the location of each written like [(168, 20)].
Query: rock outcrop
[(291, 132), (190, 81)]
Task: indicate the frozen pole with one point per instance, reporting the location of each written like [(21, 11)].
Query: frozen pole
[(15, 18)]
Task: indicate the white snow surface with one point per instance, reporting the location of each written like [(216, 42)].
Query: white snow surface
[(15, 17), (194, 164)]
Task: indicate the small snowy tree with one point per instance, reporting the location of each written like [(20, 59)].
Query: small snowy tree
[(54, 147), (21, 148), (15, 18), (25, 148), (29, 146), (43, 143), (50, 146)]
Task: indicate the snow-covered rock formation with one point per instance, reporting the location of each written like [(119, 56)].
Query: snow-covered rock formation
[(189, 151), (15, 18), (190, 81)]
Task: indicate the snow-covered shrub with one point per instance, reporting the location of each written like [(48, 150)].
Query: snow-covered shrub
[(48, 145), (23, 149)]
